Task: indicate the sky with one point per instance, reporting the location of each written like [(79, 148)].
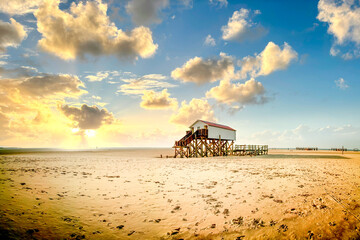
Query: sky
[(138, 73)]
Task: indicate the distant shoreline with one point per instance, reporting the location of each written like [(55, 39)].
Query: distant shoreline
[(4, 151), (15, 150)]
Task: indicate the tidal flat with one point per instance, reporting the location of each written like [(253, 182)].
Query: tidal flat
[(134, 194)]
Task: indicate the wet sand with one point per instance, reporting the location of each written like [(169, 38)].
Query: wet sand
[(133, 194)]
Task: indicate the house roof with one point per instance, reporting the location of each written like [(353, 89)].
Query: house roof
[(215, 125)]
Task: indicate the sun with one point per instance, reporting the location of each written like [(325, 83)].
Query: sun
[(90, 133), (75, 130)]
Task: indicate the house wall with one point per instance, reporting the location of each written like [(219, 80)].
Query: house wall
[(214, 132), (198, 124)]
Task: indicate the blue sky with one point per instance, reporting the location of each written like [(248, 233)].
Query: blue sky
[(138, 73)]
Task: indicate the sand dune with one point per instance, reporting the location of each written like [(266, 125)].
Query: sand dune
[(133, 194)]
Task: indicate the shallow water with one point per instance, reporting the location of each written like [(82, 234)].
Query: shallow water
[(318, 156), (134, 194)]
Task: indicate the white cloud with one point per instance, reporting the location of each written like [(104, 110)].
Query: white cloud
[(158, 100), (340, 83), (343, 18), (349, 55), (304, 136), (96, 97), (187, 3), (45, 85), (234, 109), (86, 29), (39, 86), (220, 3), (153, 90), (98, 77), (11, 34), (137, 86), (209, 41), (29, 69), (334, 51), (87, 117), (30, 53), (271, 59), (19, 7), (25, 101), (202, 71), (250, 92), (241, 28), (155, 76), (190, 112), (18, 72), (145, 12)]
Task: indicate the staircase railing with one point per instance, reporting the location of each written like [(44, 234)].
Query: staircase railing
[(191, 136)]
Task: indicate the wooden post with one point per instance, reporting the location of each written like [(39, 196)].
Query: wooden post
[(213, 147), (219, 147), (196, 148), (232, 147), (202, 146), (206, 148)]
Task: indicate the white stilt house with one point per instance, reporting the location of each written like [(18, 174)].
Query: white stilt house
[(215, 131), (206, 139)]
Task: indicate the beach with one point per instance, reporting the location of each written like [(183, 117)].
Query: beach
[(135, 194)]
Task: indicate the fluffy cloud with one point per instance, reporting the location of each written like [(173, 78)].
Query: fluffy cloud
[(148, 82), (19, 7), (195, 109), (44, 85), (340, 83), (250, 92), (343, 18), (158, 100), (28, 108), (220, 3), (63, 84), (96, 97), (271, 59), (304, 136), (98, 77), (153, 90), (154, 76), (28, 95), (202, 71), (187, 3), (15, 72), (240, 27), (87, 117), (145, 12), (209, 41), (86, 29), (11, 34)]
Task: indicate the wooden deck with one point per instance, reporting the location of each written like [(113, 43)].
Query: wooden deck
[(252, 150), (200, 133), (197, 144)]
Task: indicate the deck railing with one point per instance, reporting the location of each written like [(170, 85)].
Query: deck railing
[(251, 149), (191, 136)]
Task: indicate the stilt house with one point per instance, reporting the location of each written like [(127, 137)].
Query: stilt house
[(205, 139)]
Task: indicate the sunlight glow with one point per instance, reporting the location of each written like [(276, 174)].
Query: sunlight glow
[(75, 130), (90, 133)]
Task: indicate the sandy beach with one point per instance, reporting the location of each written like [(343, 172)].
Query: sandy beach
[(134, 194)]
